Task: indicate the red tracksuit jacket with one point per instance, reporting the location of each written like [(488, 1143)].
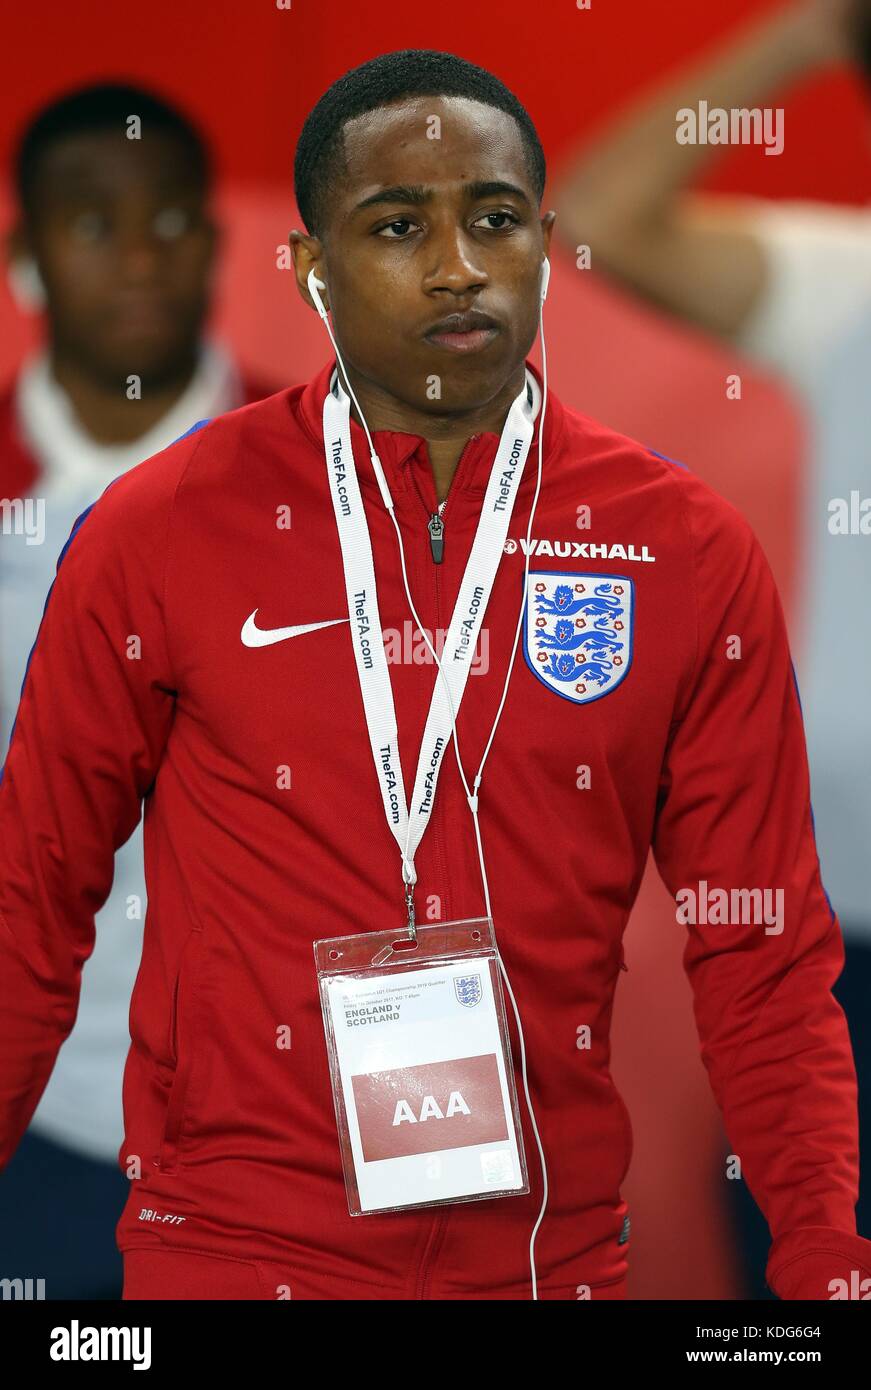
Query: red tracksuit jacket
[(695, 750)]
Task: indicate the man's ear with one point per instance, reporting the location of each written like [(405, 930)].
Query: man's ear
[(308, 255), (547, 230)]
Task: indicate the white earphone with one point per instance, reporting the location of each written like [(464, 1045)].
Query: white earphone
[(26, 284), (314, 287)]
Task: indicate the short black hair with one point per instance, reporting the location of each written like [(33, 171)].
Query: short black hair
[(105, 106), (409, 72)]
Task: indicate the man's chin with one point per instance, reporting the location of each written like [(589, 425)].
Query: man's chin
[(156, 365), (467, 381)]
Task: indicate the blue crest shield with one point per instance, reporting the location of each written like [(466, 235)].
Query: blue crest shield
[(577, 631), (468, 990)]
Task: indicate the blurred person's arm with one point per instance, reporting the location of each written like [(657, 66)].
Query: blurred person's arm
[(733, 813), (701, 258), (817, 285), (95, 713)]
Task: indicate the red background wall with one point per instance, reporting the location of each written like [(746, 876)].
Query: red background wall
[(251, 72)]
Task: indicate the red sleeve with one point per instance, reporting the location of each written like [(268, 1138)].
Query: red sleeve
[(85, 748), (734, 813)]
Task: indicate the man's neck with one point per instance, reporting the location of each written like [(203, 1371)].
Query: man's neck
[(446, 435), (105, 412)]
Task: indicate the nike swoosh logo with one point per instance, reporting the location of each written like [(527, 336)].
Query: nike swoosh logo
[(254, 636)]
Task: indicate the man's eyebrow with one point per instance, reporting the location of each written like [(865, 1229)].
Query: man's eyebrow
[(418, 195), (492, 187), (88, 181)]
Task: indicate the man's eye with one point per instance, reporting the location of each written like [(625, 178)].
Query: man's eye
[(512, 220), (89, 227), (398, 222), (171, 223)]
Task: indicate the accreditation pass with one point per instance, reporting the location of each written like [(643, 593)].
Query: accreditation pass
[(422, 1072)]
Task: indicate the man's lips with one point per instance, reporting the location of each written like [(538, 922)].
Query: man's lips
[(141, 314), (463, 332)]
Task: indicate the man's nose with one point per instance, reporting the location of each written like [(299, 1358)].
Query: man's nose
[(454, 265), (139, 253)]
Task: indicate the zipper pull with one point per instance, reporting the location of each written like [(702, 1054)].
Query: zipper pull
[(436, 528)]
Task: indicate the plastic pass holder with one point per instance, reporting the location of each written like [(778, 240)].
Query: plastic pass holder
[(420, 1066)]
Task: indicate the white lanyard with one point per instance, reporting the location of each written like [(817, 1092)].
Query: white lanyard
[(465, 625)]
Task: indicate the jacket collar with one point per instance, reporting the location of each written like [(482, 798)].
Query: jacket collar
[(405, 457)]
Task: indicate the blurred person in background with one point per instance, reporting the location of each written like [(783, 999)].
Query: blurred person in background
[(789, 284), (114, 242)]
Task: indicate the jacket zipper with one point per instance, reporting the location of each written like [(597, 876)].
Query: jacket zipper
[(435, 523), (452, 488), (436, 528), (436, 531)]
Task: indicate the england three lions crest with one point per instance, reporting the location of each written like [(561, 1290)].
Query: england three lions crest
[(468, 990), (577, 631)]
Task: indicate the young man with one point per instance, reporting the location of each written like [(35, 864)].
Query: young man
[(199, 652), (114, 244)]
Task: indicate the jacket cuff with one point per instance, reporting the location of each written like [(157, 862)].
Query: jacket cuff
[(820, 1262)]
